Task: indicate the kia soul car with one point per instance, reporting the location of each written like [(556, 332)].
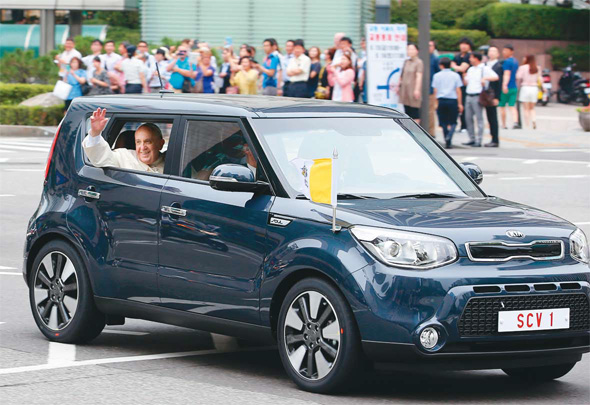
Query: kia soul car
[(423, 268)]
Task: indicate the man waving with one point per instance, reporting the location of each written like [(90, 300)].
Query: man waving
[(148, 143)]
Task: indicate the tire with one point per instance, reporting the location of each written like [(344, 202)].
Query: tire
[(335, 360), (61, 297), (563, 97), (540, 374)]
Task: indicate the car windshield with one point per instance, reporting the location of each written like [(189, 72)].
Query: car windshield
[(377, 157)]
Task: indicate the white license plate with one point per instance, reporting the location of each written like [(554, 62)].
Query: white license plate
[(546, 85), (536, 319), (587, 90)]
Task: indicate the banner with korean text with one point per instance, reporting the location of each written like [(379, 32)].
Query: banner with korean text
[(386, 53)]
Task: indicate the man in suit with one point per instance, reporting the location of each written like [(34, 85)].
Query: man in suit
[(492, 111)]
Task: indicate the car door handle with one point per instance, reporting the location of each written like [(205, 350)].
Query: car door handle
[(174, 211), (89, 194)]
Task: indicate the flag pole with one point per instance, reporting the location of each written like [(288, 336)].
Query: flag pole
[(334, 189)]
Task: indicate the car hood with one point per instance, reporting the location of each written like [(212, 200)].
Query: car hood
[(461, 220)]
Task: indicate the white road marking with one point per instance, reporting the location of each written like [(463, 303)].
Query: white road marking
[(5, 273), (7, 151), (124, 332), (24, 170), (516, 178), (582, 223), (530, 162), (6, 195), (563, 176), (564, 150), (7, 268), (578, 162), (224, 343), (61, 353), (127, 359), (469, 158), (555, 117), (33, 143), (26, 148)]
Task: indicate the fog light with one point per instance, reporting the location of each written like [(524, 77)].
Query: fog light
[(428, 338)]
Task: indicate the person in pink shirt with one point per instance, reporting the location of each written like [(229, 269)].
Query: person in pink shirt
[(528, 77), (342, 79)]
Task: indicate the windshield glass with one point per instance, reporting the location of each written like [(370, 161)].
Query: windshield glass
[(377, 156)]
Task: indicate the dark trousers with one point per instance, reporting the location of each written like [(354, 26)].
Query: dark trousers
[(286, 89), (463, 95), (67, 104), (447, 112), (133, 89), (492, 114), (298, 89)]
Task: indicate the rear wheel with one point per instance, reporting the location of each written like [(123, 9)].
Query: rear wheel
[(563, 96), (61, 297), (543, 373), (319, 342)]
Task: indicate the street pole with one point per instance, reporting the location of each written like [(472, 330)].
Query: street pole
[(47, 37), (423, 40), (382, 11)]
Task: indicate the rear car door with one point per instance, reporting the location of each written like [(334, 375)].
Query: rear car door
[(211, 255), (116, 215)]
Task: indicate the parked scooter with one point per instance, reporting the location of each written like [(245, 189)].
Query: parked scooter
[(573, 87), (545, 91)]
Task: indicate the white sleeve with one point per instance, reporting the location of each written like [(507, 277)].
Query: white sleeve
[(99, 152)]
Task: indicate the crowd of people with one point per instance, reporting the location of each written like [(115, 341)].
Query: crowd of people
[(463, 86)]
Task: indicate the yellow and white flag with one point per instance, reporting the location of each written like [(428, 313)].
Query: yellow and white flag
[(318, 179)]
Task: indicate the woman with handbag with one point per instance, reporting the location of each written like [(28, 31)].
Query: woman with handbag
[(75, 77), (409, 86), (528, 75)]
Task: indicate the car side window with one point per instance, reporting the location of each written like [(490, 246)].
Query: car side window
[(208, 144)]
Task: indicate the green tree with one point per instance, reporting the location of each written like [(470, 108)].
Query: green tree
[(22, 67), (445, 13)]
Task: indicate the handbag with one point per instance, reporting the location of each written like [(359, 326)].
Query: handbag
[(85, 88), (62, 89), (232, 90), (486, 97)]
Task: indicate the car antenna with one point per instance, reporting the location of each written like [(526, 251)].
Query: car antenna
[(162, 89)]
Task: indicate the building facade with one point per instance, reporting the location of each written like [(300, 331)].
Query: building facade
[(251, 21)]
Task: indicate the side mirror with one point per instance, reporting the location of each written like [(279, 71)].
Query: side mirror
[(474, 171), (232, 177)]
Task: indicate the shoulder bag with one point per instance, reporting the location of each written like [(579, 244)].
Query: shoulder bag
[(486, 97)]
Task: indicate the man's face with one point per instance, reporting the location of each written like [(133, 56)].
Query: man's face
[(69, 45), (289, 47), (122, 49), (142, 47), (464, 48), (298, 50), (431, 47), (493, 53), (182, 52), (147, 145), (473, 60), (267, 47), (96, 47), (506, 53), (110, 47)]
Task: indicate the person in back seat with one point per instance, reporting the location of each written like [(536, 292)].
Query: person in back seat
[(146, 156)]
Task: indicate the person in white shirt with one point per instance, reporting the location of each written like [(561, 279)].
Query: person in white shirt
[(96, 48), (476, 80), (63, 59), (345, 47), (145, 157), (162, 63), (110, 57), (285, 59), (134, 71), (298, 71)]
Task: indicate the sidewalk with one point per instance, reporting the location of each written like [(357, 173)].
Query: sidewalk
[(26, 130), (557, 127)]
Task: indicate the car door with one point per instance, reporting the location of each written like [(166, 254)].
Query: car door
[(212, 250), (116, 215)]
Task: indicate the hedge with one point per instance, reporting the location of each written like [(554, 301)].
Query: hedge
[(580, 55), (504, 20), (444, 13), (448, 40), (14, 93), (21, 115)]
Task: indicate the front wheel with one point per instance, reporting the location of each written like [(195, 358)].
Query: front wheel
[(539, 374), (61, 297), (318, 339), (563, 96)]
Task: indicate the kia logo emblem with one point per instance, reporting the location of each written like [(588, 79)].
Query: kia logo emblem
[(515, 234)]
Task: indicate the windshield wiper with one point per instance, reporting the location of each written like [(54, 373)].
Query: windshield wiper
[(346, 196), (428, 195)]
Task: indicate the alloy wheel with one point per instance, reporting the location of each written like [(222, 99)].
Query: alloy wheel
[(312, 335), (56, 290)]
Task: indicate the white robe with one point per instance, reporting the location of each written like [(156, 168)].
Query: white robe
[(100, 154)]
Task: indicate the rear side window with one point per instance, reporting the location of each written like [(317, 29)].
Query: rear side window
[(121, 134), (208, 144)]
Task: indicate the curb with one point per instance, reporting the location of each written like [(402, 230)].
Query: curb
[(27, 130)]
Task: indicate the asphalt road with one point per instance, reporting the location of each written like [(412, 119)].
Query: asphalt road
[(145, 362)]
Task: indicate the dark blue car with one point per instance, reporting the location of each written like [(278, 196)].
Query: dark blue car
[(423, 270)]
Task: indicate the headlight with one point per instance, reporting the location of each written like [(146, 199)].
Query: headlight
[(579, 246), (406, 249)]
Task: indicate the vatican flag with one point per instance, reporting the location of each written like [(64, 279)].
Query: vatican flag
[(318, 179)]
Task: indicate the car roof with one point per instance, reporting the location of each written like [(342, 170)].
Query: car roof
[(232, 105)]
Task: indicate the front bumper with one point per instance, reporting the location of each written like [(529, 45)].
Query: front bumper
[(400, 304)]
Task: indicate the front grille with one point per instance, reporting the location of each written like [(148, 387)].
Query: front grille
[(503, 251), (480, 316)]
